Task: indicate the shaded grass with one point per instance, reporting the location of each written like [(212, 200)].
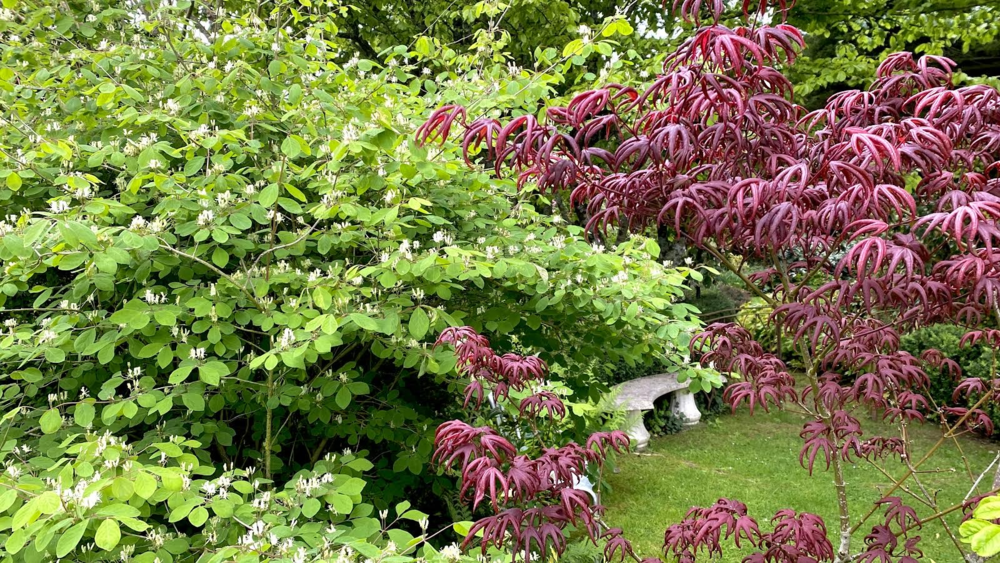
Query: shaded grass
[(756, 459)]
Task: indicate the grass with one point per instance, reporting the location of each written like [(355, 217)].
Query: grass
[(756, 459)]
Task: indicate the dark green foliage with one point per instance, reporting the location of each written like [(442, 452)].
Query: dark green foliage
[(662, 421), (719, 302), (622, 372), (710, 404), (975, 361)]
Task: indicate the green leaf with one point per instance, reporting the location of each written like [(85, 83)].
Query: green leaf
[(213, 372), (572, 48), (364, 321), (194, 401), (343, 398), (220, 257), (419, 323), (48, 503), (25, 515), (83, 415), (15, 542), (166, 318), (181, 512), (988, 509), (180, 374), (122, 489), (268, 195), (118, 510), (7, 499), (240, 221), (986, 542), (310, 508), (198, 516), (322, 298), (290, 147), (341, 503), (145, 485), (108, 535), (51, 421), (222, 508), (55, 355), (14, 181), (71, 538)]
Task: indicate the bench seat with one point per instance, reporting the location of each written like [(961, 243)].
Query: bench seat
[(638, 395)]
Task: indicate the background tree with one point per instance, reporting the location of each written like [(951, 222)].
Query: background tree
[(847, 40)]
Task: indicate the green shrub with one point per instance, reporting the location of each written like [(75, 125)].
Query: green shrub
[(221, 250), (755, 316), (661, 421), (975, 361), (719, 302)]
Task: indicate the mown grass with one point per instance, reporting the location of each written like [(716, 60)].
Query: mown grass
[(756, 459)]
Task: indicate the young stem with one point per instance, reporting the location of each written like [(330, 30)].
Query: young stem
[(843, 554), (268, 425), (844, 548), (931, 500), (928, 455)]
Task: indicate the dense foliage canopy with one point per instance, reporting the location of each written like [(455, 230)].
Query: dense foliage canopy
[(846, 39)]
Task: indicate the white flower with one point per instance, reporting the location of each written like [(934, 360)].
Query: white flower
[(443, 237), (146, 141), (91, 500), (138, 223), (287, 338), (451, 552), (224, 199), (197, 354), (206, 218), (59, 206), (155, 298)]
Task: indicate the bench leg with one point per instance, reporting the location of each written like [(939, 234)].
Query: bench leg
[(636, 429), (683, 405)]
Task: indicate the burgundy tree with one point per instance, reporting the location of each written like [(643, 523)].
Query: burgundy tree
[(872, 216), (533, 499)]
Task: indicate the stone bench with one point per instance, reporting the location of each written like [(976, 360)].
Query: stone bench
[(638, 395)]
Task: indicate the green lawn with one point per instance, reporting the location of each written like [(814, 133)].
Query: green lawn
[(755, 459)]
